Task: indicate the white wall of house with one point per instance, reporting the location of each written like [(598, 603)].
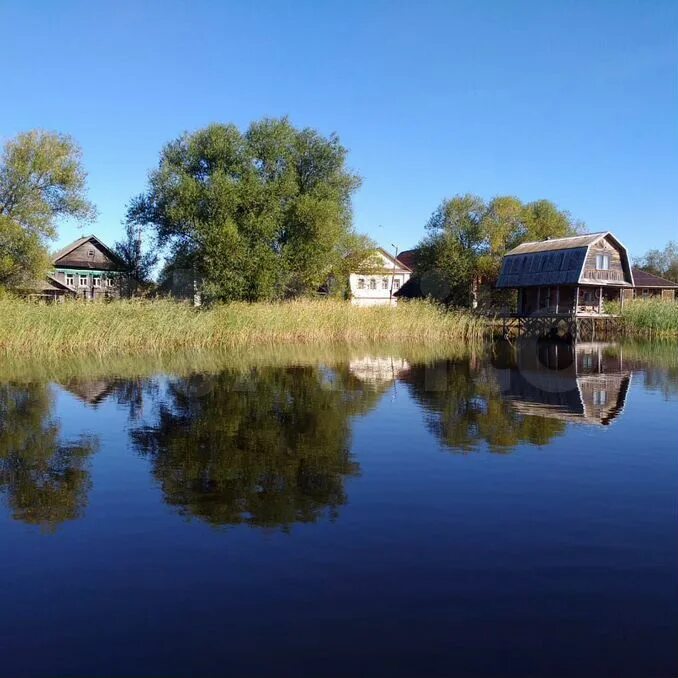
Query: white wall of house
[(374, 289)]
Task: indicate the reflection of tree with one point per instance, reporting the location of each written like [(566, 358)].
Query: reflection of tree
[(465, 408), (45, 479), (268, 450)]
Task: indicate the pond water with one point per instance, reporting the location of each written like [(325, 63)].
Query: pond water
[(509, 512)]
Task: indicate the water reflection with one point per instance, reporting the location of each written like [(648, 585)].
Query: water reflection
[(269, 450), (271, 446), (465, 407), (587, 383), (44, 478)]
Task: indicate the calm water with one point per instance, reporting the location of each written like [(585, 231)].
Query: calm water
[(505, 514)]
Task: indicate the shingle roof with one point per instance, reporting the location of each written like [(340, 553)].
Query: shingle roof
[(645, 279), (557, 244)]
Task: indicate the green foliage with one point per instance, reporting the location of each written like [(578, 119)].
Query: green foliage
[(663, 263), (259, 216), (467, 238), (41, 181), (23, 257)]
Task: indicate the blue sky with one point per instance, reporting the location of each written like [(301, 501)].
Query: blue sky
[(572, 101)]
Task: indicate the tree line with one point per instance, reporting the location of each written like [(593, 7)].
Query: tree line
[(259, 215)]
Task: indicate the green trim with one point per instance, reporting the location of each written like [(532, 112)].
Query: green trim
[(96, 274)]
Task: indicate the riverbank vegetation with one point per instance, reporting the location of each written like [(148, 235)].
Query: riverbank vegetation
[(651, 318), (134, 327)]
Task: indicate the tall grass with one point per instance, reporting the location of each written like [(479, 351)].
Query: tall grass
[(134, 327), (654, 318)]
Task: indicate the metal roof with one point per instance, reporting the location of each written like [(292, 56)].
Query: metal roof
[(553, 244)]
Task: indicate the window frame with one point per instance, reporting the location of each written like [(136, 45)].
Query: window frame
[(602, 262), (82, 277)]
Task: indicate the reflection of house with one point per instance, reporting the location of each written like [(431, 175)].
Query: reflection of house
[(585, 383), (90, 392), (88, 268), (572, 275), (650, 286), (378, 369), (381, 279)]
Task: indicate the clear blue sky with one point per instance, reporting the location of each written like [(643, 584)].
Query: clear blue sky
[(572, 101)]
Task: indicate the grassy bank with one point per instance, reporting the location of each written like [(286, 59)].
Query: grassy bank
[(134, 327), (652, 318)]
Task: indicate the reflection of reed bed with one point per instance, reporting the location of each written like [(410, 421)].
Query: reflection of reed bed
[(653, 318), (239, 359), (134, 327)]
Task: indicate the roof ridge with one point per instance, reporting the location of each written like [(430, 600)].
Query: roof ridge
[(565, 237)]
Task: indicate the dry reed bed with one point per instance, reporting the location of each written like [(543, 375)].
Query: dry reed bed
[(134, 327)]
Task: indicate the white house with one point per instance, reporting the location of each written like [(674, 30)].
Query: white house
[(377, 286)]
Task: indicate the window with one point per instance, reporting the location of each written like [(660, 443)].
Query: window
[(373, 284), (109, 282), (602, 262), (396, 284), (69, 279), (361, 283), (90, 253), (83, 281), (600, 398), (96, 282), (646, 293), (384, 283)]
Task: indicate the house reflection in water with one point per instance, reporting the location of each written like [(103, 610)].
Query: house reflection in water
[(585, 383), (378, 370)]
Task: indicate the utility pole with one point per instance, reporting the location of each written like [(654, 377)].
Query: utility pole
[(390, 294)]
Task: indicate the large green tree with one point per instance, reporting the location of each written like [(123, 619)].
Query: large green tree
[(264, 214), (41, 181), (467, 237)]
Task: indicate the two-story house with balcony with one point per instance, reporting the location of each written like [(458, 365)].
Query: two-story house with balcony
[(568, 276)]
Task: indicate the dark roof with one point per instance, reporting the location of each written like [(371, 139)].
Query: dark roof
[(408, 257), (645, 279), (542, 268), (81, 241)]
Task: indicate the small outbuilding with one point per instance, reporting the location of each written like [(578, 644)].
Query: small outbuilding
[(650, 286)]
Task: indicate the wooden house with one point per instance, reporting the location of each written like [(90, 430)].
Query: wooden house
[(650, 286), (89, 269), (568, 276)]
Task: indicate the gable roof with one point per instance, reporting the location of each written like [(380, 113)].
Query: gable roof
[(395, 261), (645, 279), (81, 241), (553, 244)]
